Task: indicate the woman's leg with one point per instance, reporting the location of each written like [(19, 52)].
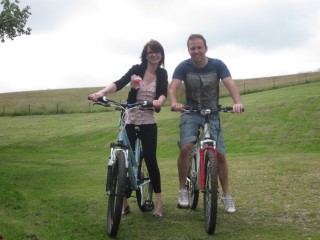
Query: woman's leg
[(149, 136)]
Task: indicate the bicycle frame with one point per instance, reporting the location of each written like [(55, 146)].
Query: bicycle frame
[(205, 143), (132, 159)]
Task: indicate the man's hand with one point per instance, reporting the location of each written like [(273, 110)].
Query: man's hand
[(178, 107), (238, 108)]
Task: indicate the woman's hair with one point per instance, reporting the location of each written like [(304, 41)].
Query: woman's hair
[(155, 46), (196, 36)]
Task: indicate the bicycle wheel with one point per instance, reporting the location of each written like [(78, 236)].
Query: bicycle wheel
[(145, 191), (116, 189), (211, 192), (193, 192)]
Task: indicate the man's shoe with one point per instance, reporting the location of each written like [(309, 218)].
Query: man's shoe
[(227, 201), (183, 200)]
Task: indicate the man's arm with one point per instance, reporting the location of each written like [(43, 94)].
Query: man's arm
[(173, 93), (234, 92)]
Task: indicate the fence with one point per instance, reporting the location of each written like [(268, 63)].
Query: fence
[(75, 100)]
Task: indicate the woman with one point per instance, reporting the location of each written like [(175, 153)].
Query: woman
[(149, 82)]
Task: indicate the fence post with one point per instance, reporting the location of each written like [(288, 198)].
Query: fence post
[(29, 109), (57, 108), (274, 83), (305, 77)]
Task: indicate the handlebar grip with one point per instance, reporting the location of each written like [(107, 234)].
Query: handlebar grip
[(147, 104), (231, 109), (102, 99), (185, 108)]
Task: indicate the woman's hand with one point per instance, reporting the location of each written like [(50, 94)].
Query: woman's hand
[(157, 104), (94, 96), (136, 81)]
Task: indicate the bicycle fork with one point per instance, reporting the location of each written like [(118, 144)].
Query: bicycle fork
[(206, 144), (112, 161), (202, 164)]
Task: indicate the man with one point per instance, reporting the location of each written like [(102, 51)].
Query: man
[(201, 76)]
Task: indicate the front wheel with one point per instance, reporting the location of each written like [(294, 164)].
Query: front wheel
[(145, 190), (116, 189), (211, 192)]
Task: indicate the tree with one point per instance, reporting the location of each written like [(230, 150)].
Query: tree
[(13, 20)]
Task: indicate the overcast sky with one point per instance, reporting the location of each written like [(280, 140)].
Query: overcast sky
[(90, 43)]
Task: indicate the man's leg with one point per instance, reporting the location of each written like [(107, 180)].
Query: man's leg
[(223, 173), (189, 126), (183, 165), (224, 180)]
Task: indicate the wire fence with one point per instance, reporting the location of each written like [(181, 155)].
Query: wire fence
[(66, 101)]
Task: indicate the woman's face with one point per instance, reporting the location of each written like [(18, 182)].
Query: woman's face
[(153, 56)]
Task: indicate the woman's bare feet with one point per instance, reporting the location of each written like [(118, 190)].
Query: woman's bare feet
[(159, 208), (125, 207)]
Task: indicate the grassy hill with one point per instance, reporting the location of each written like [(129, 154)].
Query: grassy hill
[(61, 101), (53, 170)]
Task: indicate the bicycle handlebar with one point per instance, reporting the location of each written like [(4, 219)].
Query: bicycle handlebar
[(227, 109), (106, 102)]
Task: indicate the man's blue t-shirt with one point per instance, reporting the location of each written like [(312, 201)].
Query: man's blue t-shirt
[(202, 84)]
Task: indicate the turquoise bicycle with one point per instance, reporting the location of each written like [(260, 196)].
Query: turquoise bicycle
[(127, 171)]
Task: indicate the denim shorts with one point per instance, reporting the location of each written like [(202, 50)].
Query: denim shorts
[(189, 128)]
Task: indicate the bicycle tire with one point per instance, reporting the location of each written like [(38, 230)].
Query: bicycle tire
[(193, 192), (144, 195), (211, 192), (116, 188)]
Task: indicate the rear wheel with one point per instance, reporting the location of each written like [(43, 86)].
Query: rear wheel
[(192, 178), (211, 192), (116, 189), (145, 190)]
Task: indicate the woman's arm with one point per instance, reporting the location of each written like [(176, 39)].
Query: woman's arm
[(108, 89)]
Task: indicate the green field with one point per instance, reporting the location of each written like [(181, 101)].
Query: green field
[(53, 170)]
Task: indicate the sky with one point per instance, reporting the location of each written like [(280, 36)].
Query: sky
[(91, 43)]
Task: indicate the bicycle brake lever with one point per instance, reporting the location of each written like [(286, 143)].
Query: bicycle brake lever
[(102, 104)]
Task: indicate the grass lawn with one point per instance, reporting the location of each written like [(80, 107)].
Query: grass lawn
[(53, 170)]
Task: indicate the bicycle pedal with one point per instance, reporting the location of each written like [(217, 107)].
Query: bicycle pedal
[(149, 205)]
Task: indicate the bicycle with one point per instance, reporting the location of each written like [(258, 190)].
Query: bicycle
[(126, 168), (203, 169)]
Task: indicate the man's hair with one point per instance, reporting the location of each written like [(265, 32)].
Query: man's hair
[(196, 36)]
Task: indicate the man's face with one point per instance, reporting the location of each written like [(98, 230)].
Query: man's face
[(197, 50)]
